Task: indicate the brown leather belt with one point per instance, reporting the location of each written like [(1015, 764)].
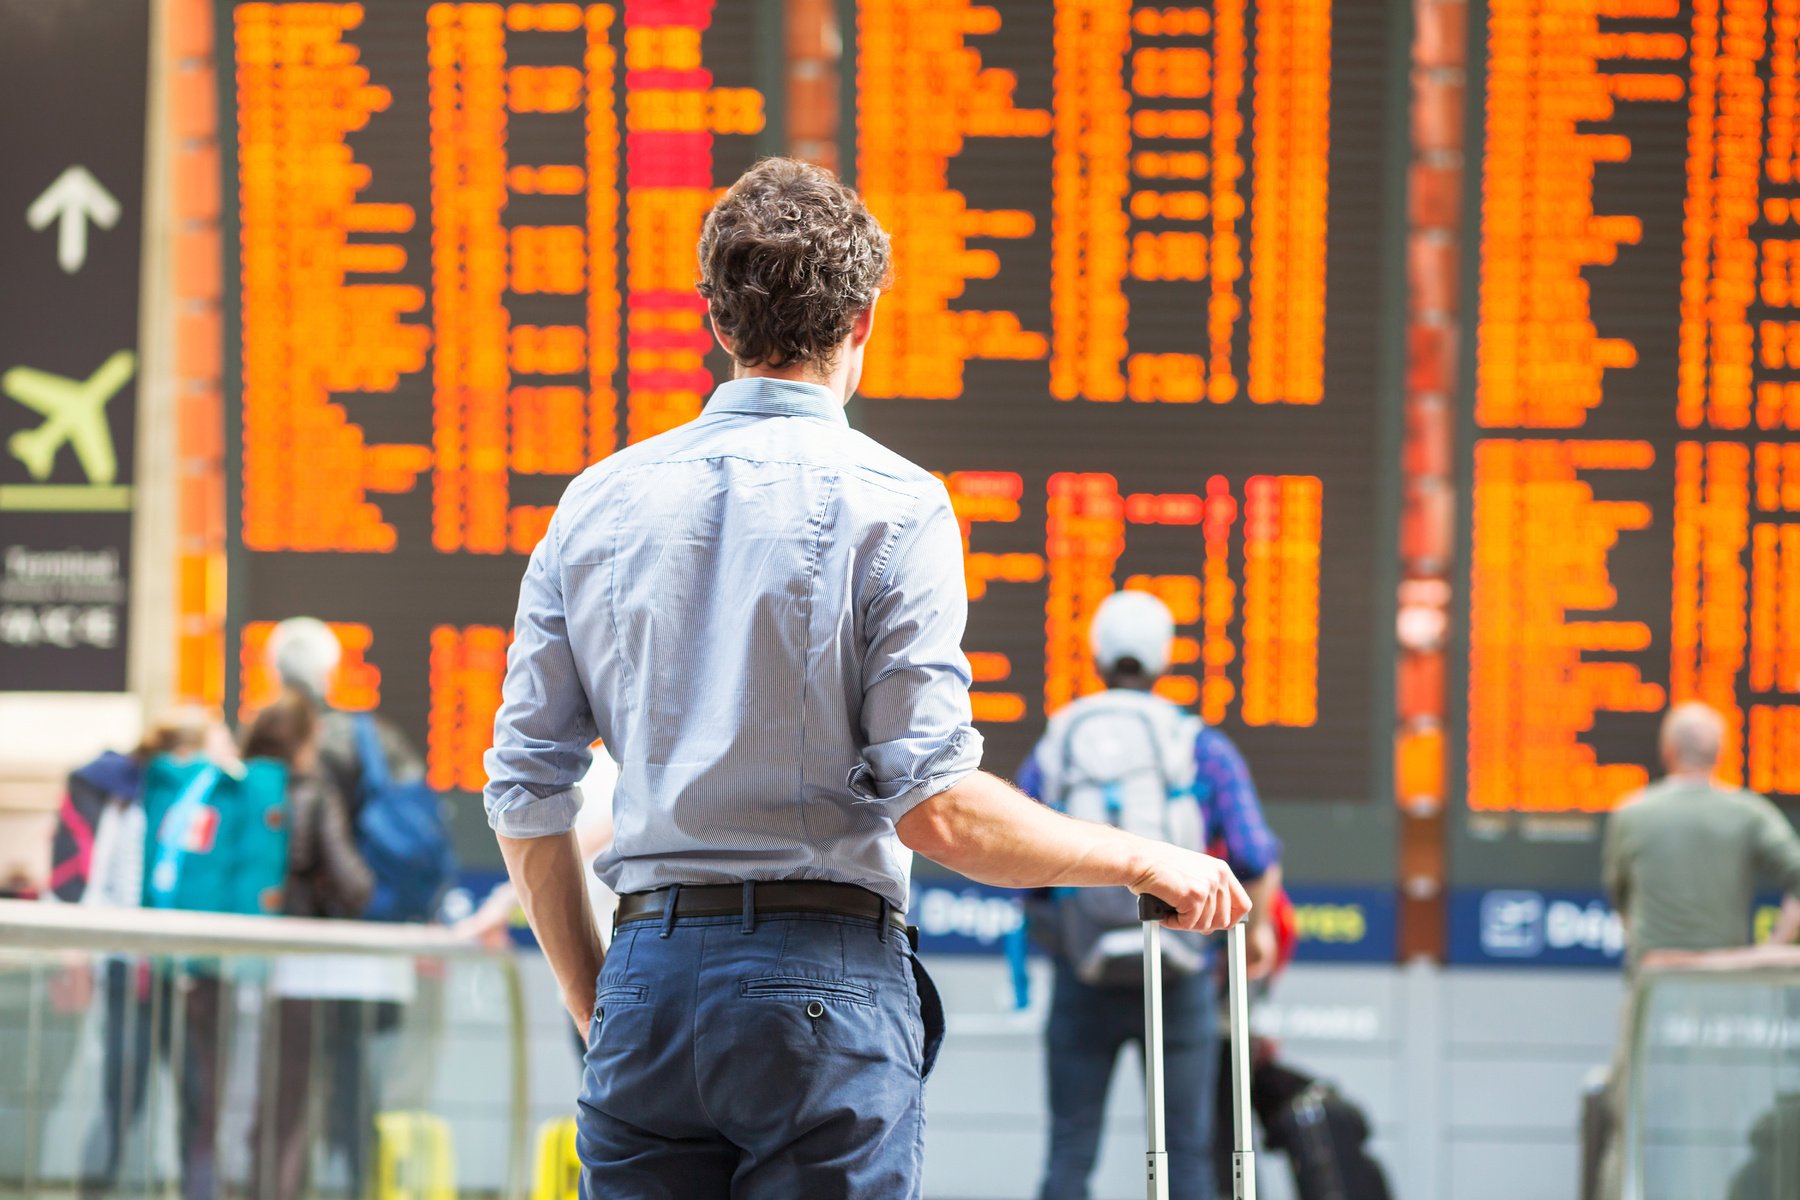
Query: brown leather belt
[(767, 898)]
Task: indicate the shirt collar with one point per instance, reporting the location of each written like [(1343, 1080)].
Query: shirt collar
[(760, 396)]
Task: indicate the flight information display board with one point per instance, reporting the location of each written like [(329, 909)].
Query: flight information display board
[(463, 271), (1141, 259), (1633, 466)]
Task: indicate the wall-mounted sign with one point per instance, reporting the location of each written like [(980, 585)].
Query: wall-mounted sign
[(1335, 924), (1523, 927), (73, 77)]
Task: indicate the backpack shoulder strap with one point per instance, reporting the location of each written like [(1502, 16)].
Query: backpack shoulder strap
[(166, 836), (1184, 735), (1065, 774), (370, 756), (201, 785), (1158, 742)]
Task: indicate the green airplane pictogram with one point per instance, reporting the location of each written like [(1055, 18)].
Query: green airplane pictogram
[(74, 413)]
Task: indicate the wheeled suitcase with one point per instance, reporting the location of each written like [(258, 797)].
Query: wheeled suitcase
[(1152, 912)]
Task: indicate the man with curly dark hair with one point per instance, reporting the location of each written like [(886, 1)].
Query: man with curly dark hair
[(760, 614)]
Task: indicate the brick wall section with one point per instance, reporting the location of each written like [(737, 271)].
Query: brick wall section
[(199, 353), (1427, 533)]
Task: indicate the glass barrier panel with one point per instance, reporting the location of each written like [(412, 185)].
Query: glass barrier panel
[(270, 1074), (1717, 1089)]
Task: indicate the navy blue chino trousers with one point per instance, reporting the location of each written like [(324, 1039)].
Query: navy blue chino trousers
[(771, 1058)]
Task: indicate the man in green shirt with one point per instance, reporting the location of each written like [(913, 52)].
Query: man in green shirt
[(1682, 857), (1681, 861)]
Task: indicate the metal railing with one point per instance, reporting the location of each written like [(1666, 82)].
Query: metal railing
[(198, 1055), (1711, 1083)]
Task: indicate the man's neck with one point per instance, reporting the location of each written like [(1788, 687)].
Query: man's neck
[(1703, 778), (836, 381)]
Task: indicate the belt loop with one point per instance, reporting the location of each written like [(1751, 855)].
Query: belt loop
[(886, 909), (669, 906), (749, 925)]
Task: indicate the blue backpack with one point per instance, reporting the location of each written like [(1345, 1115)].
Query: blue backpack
[(403, 837), (215, 840)]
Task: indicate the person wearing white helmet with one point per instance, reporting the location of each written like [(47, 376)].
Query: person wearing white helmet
[(1128, 758)]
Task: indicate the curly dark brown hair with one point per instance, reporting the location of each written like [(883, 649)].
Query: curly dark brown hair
[(789, 258)]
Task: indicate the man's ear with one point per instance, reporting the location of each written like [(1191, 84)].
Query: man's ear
[(864, 324), (724, 342)]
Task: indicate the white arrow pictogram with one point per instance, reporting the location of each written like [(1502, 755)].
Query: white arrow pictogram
[(74, 199)]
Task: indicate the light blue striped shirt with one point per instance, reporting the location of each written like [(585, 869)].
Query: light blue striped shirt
[(761, 614)]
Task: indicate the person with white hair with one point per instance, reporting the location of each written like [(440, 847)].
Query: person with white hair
[(306, 655), (1131, 759)]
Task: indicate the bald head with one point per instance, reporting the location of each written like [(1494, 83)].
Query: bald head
[(1692, 736)]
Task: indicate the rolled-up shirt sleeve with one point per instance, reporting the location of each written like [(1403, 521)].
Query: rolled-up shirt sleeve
[(545, 726), (919, 734)]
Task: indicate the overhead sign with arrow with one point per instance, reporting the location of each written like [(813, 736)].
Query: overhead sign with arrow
[(75, 199), (74, 77)]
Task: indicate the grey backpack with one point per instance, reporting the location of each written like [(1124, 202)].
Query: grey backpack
[(1126, 759)]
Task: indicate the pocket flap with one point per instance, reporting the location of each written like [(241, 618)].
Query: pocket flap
[(622, 993), (801, 987)]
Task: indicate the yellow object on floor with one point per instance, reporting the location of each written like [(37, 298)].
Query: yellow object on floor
[(558, 1165), (414, 1161)]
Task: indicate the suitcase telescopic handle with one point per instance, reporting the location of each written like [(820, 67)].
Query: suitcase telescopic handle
[(1151, 912), (1152, 909), (1237, 996)]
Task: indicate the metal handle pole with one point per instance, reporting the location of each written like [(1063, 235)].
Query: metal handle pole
[(1243, 1137), (1156, 1153), (1151, 912)]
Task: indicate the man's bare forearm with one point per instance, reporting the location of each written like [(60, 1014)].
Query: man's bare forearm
[(993, 833), (547, 874)]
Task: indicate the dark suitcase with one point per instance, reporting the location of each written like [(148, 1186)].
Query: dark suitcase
[(1325, 1138), (1151, 912)]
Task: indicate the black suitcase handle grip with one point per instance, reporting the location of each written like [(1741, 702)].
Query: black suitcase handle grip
[(1150, 908)]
